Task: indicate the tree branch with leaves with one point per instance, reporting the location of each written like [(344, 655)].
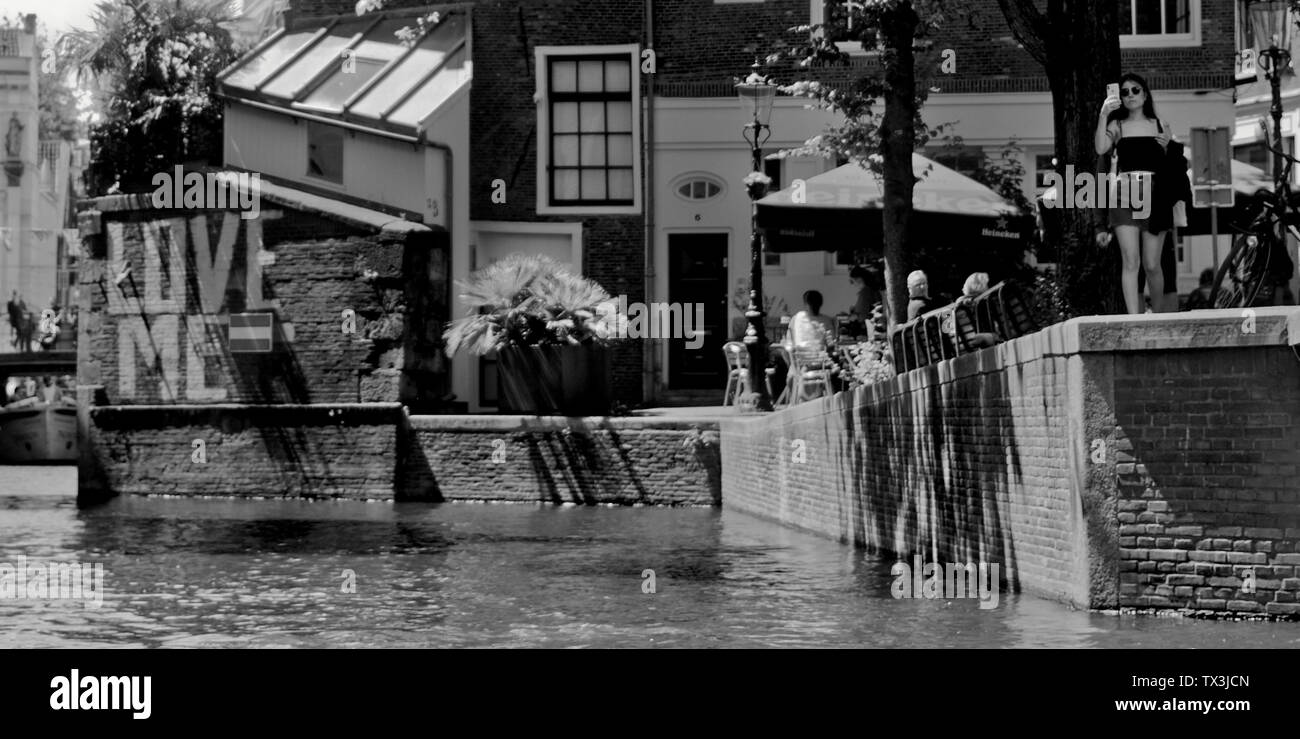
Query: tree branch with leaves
[(879, 109)]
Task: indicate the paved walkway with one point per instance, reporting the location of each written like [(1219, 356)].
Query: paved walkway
[(700, 412)]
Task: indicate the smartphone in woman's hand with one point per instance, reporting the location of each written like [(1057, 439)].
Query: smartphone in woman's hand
[(1112, 90)]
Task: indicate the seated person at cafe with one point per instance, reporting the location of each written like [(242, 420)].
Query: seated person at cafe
[(867, 285), (918, 292), (976, 284), (809, 329)]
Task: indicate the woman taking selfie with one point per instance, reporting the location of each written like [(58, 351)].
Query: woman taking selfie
[(1128, 126)]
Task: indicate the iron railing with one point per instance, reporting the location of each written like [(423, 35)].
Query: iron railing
[(1000, 313)]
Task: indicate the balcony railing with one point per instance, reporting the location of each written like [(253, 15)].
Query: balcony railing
[(998, 314)]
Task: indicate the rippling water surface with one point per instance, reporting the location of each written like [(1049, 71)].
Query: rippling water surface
[(270, 573)]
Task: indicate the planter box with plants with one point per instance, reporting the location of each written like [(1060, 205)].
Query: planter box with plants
[(549, 329)]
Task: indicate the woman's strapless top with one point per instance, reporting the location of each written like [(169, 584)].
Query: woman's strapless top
[(1139, 154)]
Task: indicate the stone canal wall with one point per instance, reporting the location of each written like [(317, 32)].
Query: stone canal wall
[(374, 451), (1107, 462), (565, 460), (316, 451)]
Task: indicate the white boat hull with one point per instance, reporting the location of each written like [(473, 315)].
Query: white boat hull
[(42, 432)]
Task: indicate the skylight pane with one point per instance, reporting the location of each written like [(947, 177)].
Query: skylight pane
[(428, 55), (334, 91), (257, 68), (433, 93), (327, 52)]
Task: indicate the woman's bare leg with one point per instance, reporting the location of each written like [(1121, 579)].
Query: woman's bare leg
[(1128, 238), (1152, 250)]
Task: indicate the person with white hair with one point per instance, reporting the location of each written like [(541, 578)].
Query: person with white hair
[(977, 283), (918, 292)]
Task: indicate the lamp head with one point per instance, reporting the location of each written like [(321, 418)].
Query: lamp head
[(756, 93), (1269, 25)]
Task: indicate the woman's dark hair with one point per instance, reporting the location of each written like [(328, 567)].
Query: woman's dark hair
[(858, 273), (814, 300), (1148, 105)]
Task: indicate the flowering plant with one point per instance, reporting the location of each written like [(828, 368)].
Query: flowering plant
[(756, 184), (866, 363), (155, 67)]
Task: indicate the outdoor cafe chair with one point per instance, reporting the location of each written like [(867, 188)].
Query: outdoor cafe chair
[(1020, 320), (937, 341), (812, 369), (737, 356), (783, 353)]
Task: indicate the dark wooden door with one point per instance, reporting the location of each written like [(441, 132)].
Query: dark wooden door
[(697, 273)]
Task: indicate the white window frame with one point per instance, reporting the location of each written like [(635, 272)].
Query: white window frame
[(544, 130), (817, 15), (572, 230), (1165, 40), (773, 269), (689, 177), (832, 268)]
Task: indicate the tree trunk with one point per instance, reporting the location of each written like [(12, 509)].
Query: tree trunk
[(898, 140), (1079, 69), (1077, 42)]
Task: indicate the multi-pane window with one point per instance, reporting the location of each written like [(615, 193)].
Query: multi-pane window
[(1155, 17), (592, 147), (966, 160), (699, 189), (838, 19)]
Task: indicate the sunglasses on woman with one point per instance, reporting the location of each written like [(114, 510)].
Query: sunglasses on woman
[(1131, 91)]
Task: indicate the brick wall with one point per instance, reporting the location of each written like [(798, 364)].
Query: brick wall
[(563, 460), (989, 59), (338, 451), (503, 118), (1107, 462), (962, 462), (1207, 451), (374, 451), (156, 335), (160, 336)]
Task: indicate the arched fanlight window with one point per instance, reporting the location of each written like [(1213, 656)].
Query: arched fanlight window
[(698, 187)]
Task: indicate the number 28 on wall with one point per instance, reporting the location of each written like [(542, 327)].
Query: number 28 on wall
[(432, 205)]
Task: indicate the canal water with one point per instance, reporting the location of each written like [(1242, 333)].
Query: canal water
[(275, 573)]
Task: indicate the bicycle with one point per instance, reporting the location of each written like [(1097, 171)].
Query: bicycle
[(1243, 280)]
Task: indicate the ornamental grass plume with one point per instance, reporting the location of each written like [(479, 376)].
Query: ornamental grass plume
[(525, 300)]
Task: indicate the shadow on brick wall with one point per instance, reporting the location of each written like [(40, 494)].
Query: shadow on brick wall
[(962, 453)]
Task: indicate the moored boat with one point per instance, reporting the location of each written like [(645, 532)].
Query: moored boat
[(33, 430)]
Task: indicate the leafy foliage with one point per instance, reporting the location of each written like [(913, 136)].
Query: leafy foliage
[(857, 100), (525, 300), (155, 64), (867, 363), (1050, 301)]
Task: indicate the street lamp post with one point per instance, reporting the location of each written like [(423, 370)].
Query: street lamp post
[(756, 94), (1271, 29)]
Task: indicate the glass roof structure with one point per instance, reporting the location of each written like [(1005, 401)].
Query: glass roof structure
[(356, 70)]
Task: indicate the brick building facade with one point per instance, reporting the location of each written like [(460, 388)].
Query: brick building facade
[(689, 131)]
